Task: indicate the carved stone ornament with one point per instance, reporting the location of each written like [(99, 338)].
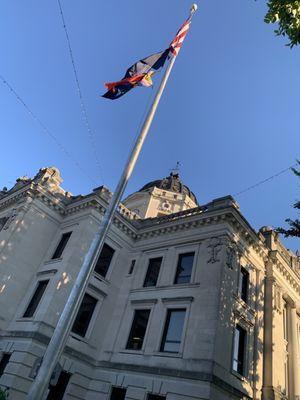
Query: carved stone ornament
[(231, 255), (214, 248), (277, 299), (9, 219)]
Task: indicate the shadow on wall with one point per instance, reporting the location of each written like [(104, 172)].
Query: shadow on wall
[(241, 317)]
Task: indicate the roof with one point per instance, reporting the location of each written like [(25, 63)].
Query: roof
[(171, 183)]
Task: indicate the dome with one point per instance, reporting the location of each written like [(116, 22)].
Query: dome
[(171, 183)]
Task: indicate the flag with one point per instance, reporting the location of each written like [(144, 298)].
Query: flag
[(179, 38), (139, 74)]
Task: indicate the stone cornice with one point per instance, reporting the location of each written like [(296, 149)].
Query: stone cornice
[(286, 271), (65, 207)]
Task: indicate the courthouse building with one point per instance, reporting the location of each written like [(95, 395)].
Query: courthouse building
[(186, 302)]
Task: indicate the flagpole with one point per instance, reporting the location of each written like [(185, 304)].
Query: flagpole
[(60, 335)]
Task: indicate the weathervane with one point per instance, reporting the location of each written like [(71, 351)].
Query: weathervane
[(176, 169)]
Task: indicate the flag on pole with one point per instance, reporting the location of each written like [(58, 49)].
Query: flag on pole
[(140, 73), (180, 36)]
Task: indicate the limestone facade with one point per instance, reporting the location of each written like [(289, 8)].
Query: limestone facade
[(193, 303)]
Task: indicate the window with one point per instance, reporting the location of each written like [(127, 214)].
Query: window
[(173, 331), (155, 397), (3, 222), (84, 315), (153, 271), (118, 393), (243, 284), (61, 245), (138, 329), (239, 350), (284, 321), (36, 298), (131, 267), (57, 392), (184, 268), (104, 260), (3, 363)]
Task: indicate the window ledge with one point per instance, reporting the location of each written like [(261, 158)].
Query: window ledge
[(175, 286), (239, 376), (55, 260), (25, 319), (129, 351), (100, 278), (79, 338), (167, 354)]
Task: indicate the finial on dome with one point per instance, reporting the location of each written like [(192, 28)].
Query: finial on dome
[(175, 171)]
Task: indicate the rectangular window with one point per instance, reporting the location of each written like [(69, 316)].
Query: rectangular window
[(57, 392), (284, 321), (118, 393), (155, 397), (61, 245), (138, 330), (244, 284), (153, 271), (131, 268), (84, 315), (3, 363), (36, 298), (184, 268), (239, 350), (104, 260), (173, 331)]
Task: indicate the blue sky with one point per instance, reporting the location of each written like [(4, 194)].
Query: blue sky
[(229, 113)]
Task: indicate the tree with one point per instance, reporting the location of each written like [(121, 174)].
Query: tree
[(294, 229), (287, 14), (3, 394)]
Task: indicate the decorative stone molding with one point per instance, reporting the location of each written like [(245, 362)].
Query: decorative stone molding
[(214, 248), (10, 218), (277, 299)]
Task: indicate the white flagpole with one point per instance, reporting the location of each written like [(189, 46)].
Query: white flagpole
[(61, 333)]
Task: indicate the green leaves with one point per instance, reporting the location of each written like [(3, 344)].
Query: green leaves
[(294, 226), (4, 394), (287, 14)]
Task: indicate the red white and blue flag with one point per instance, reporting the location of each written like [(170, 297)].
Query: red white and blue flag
[(140, 73), (179, 38)]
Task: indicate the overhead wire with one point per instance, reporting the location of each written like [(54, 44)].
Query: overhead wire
[(82, 103), (266, 180), (44, 128)]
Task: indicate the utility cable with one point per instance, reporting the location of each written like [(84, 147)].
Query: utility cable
[(82, 104), (45, 129), (266, 180)]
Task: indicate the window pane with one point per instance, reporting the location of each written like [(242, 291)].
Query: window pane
[(184, 268), (153, 271), (118, 393), (57, 392), (131, 267), (138, 329), (155, 397), (84, 315), (173, 331), (3, 363), (239, 350), (104, 260), (61, 245), (243, 284), (36, 298)]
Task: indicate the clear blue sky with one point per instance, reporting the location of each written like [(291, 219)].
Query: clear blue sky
[(230, 113)]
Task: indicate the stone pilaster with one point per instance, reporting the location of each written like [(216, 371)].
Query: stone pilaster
[(294, 353), (268, 390)]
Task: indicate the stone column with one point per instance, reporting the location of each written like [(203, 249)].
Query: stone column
[(267, 390), (294, 353)]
